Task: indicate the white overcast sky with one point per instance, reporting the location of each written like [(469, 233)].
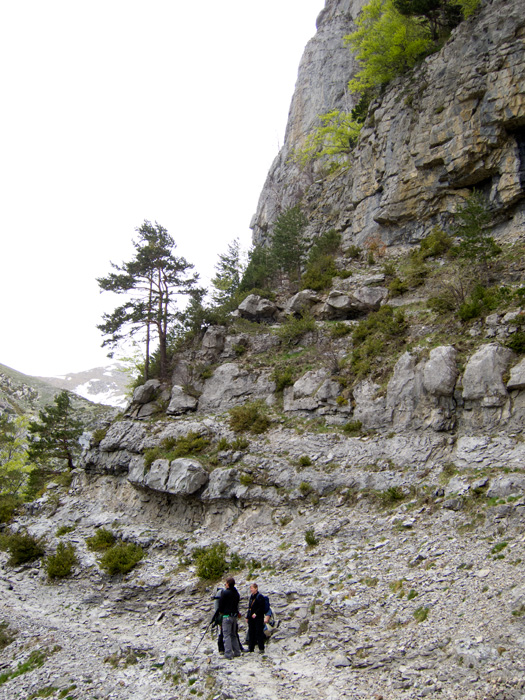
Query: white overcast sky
[(117, 111)]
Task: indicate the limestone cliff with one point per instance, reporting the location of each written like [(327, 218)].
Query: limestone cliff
[(455, 122)]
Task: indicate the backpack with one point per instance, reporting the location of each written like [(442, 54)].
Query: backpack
[(266, 604), (217, 617)]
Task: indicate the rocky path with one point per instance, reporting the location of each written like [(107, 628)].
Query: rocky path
[(408, 603)]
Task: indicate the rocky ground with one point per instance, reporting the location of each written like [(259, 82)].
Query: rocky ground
[(408, 601)]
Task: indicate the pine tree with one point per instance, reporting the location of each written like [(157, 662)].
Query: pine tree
[(151, 281), (288, 248), (55, 435), (230, 270)]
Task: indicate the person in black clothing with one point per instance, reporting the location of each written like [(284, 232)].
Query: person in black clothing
[(229, 609), (255, 618)]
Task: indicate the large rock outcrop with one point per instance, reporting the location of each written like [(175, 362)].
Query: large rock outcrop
[(455, 122)]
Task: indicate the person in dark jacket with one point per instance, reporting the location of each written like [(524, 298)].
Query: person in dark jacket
[(229, 610), (255, 618)]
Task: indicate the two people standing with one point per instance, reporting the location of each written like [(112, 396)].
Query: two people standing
[(229, 610)]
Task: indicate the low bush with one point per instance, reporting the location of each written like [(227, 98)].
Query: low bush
[(516, 342), (438, 242), (7, 635), (9, 504), (353, 428), (305, 461), (211, 561), (283, 375), (22, 548), (310, 538), (381, 333), (481, 302), (102, 539), (251, 418), (121, 558), (62, 563), (340, 329), (294, 328), (172, 448)]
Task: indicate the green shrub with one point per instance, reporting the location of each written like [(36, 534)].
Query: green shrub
[(246, 479), (121, 558), (64, 529), (310, 538), (516, 342), (223, 444), (61, 564), (482, 301), (320, 268), (397, 287), (251, 418), (353, 427), (294, 328), (305, 488), (353, 252), (211, 561), (305, 461), (436, 243), (382, 333), (240, 443), (7, 635), (102, 539), (442, 303), (283, 376), (340, 329), (9, 504), (22, 548), (172, 448)]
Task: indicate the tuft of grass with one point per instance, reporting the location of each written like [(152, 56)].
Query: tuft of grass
[(421, 614), (310, 538)]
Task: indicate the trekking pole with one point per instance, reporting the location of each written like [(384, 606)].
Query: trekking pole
[(207, 628)]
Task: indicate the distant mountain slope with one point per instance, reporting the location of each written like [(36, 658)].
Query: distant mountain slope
[(106, 385), (23, 394)]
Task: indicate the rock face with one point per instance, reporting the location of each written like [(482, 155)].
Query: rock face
[(456, 122), (324, 71)]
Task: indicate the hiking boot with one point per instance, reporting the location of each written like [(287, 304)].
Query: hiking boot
[(228, 656)]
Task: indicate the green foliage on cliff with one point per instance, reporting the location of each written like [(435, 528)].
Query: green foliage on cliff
[(336, 135), (393, 35)]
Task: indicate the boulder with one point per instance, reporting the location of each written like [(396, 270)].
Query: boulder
[(124, 435), (483, 377), (370, 408), (517, 376), (231, 385), (341, 304), (256, 308), (186, 476), (157, 475), (181, 402), (440, 371), (213, 341), (147, 392), (301, 302), (222, 484)]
